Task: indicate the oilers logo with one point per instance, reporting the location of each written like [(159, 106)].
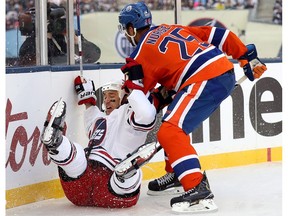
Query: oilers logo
[(123, 46)]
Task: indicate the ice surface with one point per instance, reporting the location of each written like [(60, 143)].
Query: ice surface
[(253, 190)]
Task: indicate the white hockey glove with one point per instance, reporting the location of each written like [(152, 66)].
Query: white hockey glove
[(85, 91), (253, 67)]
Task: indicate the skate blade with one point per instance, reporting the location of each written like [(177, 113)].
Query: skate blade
[(205, 205), (54, 112), (144, 153), (170, 191)]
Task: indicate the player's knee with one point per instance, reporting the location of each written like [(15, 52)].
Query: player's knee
[(169, 134), (166, 132), (128, 187)]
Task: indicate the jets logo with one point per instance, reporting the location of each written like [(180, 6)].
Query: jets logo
[(99, 131)]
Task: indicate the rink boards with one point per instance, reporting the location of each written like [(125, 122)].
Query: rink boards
[(247, 128)]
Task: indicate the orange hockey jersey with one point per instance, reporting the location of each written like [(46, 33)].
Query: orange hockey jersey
[(175, 56)]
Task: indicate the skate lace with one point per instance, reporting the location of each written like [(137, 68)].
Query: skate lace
[(189, 192), (201, 186), (168, 177)]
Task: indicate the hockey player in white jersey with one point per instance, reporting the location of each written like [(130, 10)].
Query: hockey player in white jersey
[(88, 176)]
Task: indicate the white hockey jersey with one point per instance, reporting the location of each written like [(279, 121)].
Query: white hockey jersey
[(125, 129)]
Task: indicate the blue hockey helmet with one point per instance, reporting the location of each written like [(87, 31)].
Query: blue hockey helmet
[(138, 14)]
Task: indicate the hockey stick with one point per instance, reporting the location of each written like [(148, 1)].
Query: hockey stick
[(240, 81), (79, 37)]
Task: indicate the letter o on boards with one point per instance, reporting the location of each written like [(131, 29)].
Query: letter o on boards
[(123, 46)]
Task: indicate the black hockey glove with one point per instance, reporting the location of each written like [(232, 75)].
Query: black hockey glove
[(161, 97), (133, 75), (132, 69)]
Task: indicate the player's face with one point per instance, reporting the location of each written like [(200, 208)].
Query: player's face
[(111, 100)]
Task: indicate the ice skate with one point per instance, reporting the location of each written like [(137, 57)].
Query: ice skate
[(165, 185), (136, 159), (198, 199), (51, 135)]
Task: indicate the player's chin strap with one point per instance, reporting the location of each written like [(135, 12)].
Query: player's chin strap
[(132, 37)]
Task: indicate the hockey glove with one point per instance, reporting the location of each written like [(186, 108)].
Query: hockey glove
[(133, 75), (129, 85), (253, 67), (132, 69), (161, 97), (85, 91)]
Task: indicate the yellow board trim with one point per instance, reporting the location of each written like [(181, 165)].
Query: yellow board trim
[(231, 159), (34, 193), (52, 189)]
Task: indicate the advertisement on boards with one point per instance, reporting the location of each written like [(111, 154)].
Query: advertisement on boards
[(251, 118)]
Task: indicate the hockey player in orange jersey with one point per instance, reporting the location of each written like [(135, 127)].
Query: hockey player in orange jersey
[(191, 62)]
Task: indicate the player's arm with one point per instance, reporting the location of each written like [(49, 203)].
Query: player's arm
[(144, 113), (246, 55), (231, 45), (222, 38), (86, 95)]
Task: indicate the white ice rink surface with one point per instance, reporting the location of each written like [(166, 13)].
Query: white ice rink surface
[(253, 190)]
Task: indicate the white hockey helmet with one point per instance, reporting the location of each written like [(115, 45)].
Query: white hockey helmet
[(114, 85)]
